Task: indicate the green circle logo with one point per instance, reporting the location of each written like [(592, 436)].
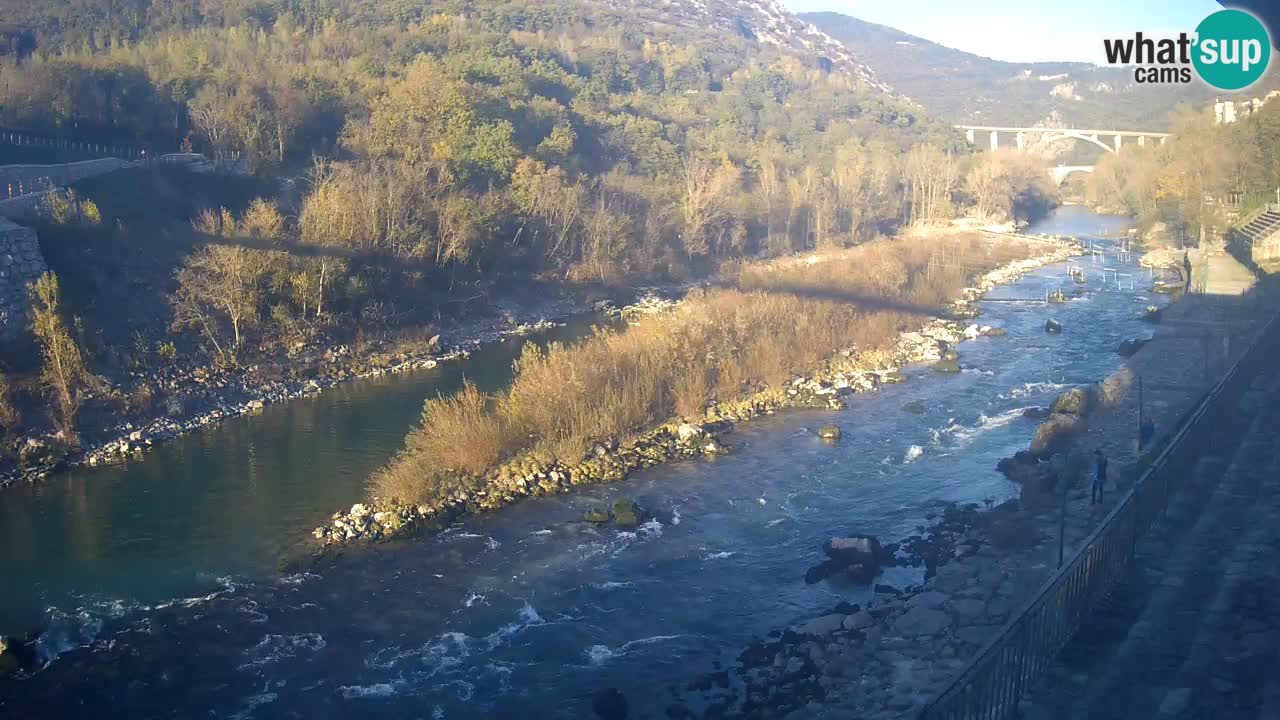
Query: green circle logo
[(1232, 49)]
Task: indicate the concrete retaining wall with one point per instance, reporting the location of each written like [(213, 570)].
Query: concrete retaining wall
[(17, 180)]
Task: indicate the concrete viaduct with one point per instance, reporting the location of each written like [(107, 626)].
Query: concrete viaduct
[(1100, 138)]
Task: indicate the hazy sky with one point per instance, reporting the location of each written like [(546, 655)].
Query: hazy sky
[(1024, 30)]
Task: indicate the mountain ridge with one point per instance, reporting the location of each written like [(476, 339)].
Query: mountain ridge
[(966, 88)]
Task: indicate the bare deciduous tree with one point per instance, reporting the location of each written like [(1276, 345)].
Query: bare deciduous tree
[(707, 187), (930, 176), (62, 372), (221, 283)]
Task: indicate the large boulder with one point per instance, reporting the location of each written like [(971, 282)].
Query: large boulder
[(1053, 327), (1056, 433), (18, 654), (1129, 348), (820, 626), (947, 365), (1076, 401), (856, 558), (859, 620), (1036, 413), (626, 514), (853, 549), (1016, 467), (688, 433), (829, 432), (922, 621)]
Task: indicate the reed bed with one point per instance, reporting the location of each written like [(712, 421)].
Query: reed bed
[(776, 320)]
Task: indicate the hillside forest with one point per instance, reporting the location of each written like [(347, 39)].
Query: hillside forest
[(403, 158)]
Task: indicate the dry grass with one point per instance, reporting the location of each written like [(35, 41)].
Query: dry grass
[(461, 421), (718, 345)]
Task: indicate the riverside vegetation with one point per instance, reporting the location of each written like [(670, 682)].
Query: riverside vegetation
[(406, 162), (806, 332), (1186, 191)]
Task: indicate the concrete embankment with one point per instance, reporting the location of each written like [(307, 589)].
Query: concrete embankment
[(1191, 631)]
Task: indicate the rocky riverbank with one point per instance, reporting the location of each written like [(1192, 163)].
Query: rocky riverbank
[(887, 660), (852, 371), (197, 395)]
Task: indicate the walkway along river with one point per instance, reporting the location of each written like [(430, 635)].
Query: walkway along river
[(524, 612)]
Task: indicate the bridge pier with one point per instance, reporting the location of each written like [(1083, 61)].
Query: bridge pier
[(1021, 141), (1142, 141), (968, 135), (995, 140), (1119, 142)]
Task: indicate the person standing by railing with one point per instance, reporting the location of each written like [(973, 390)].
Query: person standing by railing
[(1186, 271), (1099, 477)]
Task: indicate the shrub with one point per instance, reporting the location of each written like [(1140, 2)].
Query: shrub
[(462, 431)]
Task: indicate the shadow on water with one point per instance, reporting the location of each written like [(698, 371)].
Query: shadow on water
[(224, 504), (524, 612)]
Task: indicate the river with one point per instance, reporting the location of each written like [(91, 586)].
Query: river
[(526, 611)]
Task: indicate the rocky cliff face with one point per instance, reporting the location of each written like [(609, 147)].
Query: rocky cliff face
[(20, 263), (762, 21)]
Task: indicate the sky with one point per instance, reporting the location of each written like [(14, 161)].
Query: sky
[(1024, 30)]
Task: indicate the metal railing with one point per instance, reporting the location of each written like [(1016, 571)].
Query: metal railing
[(18, 181), (992, 684), (120, 150)]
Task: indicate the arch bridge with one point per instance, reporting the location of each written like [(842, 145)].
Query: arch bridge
[(1060, 172), (1096, 137)]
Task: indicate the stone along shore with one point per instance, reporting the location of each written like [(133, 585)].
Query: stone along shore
[(849, 372), (889, 659), (199, 396)]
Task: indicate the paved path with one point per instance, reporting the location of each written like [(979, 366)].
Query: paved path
[(1214, 272), (1195, 632)]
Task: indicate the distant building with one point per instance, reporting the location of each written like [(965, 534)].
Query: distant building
[(1226, 111)]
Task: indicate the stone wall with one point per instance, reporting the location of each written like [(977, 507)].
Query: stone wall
[(20, 263)]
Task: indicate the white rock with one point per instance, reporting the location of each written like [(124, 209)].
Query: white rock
[(820, 626), (359, 510), (688, 431)]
